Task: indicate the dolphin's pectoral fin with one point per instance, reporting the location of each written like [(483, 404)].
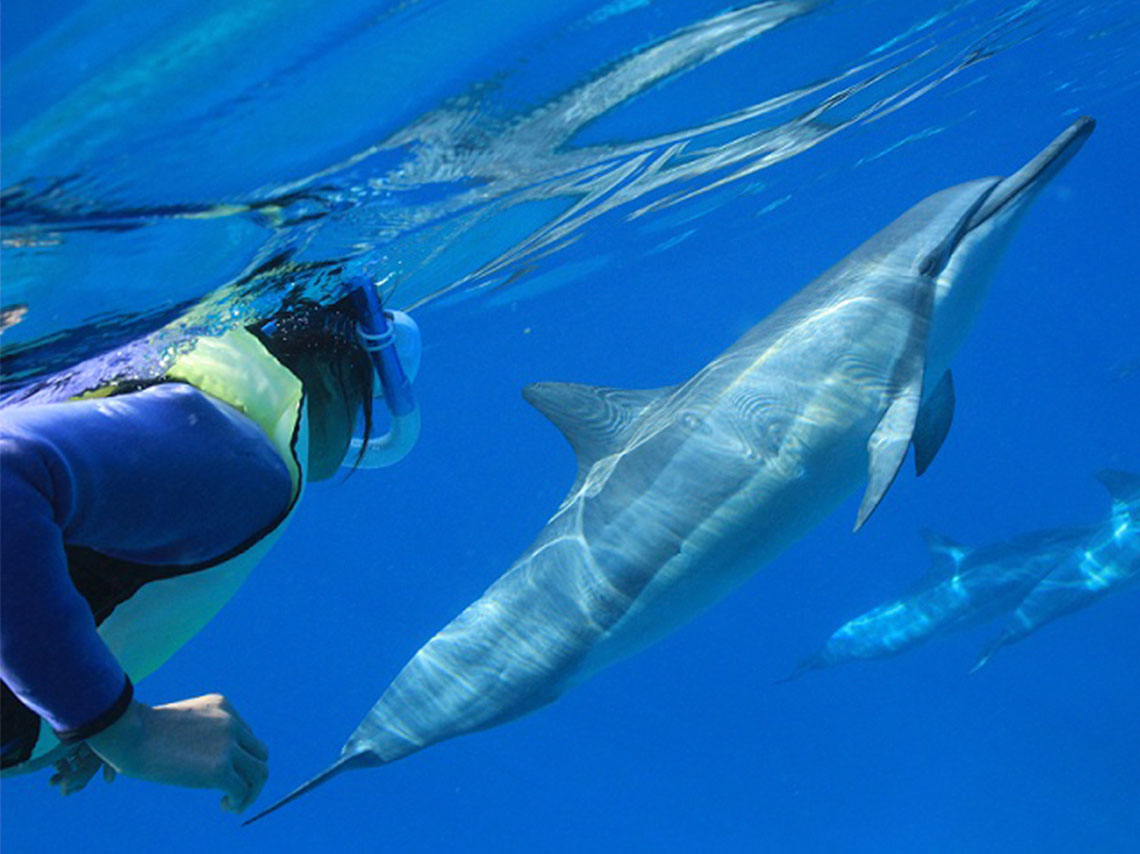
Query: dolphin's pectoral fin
[(594, 419), (888, 445), (933, 423), (1014, 630), (986, 654)]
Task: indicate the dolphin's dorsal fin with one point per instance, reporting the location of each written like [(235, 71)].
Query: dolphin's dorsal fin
[(946, 555), (1122, 486), (594, 419)]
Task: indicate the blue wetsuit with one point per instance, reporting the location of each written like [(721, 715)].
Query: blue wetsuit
[(161, 479)]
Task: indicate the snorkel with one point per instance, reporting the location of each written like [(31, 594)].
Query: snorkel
[(392, 341)]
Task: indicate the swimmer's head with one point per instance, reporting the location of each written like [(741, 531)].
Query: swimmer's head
[(320, 346)]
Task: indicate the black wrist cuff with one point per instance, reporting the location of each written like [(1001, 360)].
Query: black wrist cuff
[(96, 726)]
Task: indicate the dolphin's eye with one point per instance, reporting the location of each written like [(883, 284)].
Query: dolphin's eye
[(932, 265)]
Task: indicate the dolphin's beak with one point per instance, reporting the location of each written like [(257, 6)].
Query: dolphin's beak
[(1035, 174)]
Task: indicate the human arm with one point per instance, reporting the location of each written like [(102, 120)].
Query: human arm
[(163, 476), (201, 743)]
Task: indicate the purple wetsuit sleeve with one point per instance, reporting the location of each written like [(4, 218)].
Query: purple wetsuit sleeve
[(164, 476)]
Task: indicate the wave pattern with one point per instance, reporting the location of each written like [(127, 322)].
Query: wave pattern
[(488, 189)]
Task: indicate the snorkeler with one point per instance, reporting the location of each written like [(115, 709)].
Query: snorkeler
[(134, 509)]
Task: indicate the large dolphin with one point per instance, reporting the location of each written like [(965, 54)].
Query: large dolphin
[(683, 492), (965, 587), (1105, 561)]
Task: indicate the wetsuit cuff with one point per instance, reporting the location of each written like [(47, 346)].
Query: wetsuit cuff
[(100, 723)]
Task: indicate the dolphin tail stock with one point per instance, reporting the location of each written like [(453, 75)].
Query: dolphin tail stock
[(364, 759)]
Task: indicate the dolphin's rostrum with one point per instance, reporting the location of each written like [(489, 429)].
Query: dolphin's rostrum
[(683, 492)]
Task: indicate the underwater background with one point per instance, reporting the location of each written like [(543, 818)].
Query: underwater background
[(606, 193)]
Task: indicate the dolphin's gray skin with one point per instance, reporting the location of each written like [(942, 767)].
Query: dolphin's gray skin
[(683, 492), (1043, 575), (1105, 561), (964, 587)]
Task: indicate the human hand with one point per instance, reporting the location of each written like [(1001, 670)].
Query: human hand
[(75, 770), (200, 743)]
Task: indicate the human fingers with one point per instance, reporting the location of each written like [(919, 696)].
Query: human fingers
[(255, 772), (74, 772), (68, 785), (252, 744), (244, 732), (109, 773), (74, 784), (236, 791), (62, 769)]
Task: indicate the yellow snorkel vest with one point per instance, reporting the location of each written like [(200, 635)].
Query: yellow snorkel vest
[(236, 369)]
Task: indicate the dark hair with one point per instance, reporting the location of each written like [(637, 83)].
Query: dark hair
[(307, 336)]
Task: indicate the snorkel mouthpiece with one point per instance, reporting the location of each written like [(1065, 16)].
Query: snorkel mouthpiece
[(380, 334)]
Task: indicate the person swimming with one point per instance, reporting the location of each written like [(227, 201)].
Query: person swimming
[(134, 509)]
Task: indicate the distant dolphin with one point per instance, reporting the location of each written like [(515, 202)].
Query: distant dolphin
[(964, 587), (1105, 561), (683, 492)]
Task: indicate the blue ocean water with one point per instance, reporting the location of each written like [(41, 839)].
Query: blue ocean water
[(606, 193)]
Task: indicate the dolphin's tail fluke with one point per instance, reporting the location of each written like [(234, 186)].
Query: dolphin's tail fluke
[(353, 760)]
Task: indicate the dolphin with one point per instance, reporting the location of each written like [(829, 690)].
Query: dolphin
[(683, 492), (964, 587), (1105, 561)]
